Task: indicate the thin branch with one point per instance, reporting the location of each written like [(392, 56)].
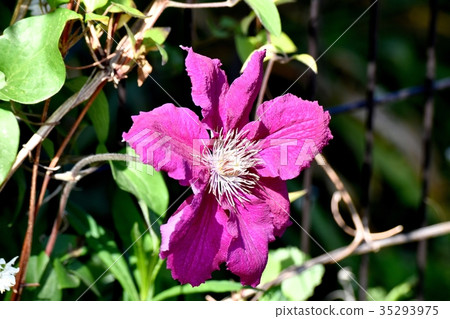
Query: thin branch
[(20, 10), (72, 177), (32, 213), (342, 194), (265, 80), (336, 255), (58, 155), (86, 91), (97, 63)]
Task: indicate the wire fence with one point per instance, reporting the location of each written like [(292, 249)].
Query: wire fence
[(429, 87)]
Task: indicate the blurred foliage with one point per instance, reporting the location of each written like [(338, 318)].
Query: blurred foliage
[(106, 249)]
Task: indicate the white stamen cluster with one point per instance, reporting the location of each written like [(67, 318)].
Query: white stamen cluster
[(231, 161)]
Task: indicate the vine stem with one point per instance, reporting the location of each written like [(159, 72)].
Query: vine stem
[(265, 80), (58, 155), (20, 10), (337, 255), (86, 91), (72, 177), (27, 241)]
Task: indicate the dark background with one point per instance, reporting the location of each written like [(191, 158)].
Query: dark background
[(395, 185)]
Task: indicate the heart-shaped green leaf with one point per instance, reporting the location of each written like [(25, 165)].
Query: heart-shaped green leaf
[(30, 60), (9, 142)]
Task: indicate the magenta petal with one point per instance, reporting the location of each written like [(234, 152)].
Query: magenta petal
[(252, 230), (242, 93), (194, 240), (209, 86), (298, 130), (277, 198), (165, 137)]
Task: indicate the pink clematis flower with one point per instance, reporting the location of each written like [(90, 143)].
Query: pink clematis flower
[(236, 168)]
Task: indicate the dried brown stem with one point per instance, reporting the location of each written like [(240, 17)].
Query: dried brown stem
[(365, 248), (54, 162), (86, 91), (265, 80), (73, 176), (32, 213)]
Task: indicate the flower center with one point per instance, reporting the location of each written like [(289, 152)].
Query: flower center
[(231, 161)]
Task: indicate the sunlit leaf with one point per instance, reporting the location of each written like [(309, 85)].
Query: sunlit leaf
[(91, 5), (280, 2), (307, 60), (90, 16), (9, 141), (157, 35), (283, 43), (118, 7), (267, 12), (299, 287), (143, 182), (30, 58)]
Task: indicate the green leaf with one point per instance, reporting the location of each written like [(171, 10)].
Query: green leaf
[(143, 182), (36, 267), (164, 55), (9, 142), (125, 214), (280, 2), (30, 59), (90, 16), (402, 291), (49, 147), (104, 247), (307, 60), (65, 279), (283, 43), (50, 290), (2, 80), (157, 35), (399, 292), (128, 10), (84, 273), (299, 287), (245, 46), (217, 286), (98, 113), (267, 12), (246, 22), (56, 3), (132, 229), (92, 5)]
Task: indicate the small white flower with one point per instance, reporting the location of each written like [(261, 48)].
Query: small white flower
[(7, 274)]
